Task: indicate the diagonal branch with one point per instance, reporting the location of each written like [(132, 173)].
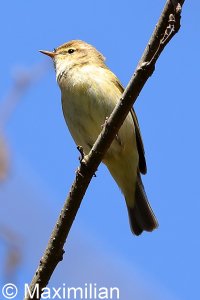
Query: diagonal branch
[(167, 26)]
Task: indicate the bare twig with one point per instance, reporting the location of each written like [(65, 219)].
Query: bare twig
[(168, 25)]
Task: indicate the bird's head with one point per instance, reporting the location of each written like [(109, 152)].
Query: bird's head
[(75, 53)]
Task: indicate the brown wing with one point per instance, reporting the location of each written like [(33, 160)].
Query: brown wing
[(140, 145)]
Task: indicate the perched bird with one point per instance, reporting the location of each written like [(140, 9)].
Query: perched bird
[(90, 92)]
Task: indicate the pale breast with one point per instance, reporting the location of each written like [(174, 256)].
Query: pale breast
[(88, 98)]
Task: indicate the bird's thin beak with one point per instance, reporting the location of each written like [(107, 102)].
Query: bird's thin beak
[(49, 53)]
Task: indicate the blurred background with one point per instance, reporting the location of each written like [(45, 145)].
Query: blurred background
[(38, 157)]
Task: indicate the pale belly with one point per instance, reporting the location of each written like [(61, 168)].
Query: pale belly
[(85, 118), (83, 121)]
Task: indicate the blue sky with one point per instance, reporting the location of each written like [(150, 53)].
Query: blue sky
[(43, 156)]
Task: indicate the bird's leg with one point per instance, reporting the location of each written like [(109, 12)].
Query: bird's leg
[(80, 149)]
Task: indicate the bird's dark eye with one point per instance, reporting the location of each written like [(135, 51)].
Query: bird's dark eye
[(54, 50), (70, 51)]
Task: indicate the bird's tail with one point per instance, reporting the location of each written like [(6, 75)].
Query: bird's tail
[(141, 216)]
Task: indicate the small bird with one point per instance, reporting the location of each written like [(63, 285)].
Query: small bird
[(90, 91)]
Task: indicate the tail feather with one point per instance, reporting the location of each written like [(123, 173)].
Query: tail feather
[(141, 216)]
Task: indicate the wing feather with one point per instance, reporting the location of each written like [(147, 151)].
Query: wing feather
[(140, 145)]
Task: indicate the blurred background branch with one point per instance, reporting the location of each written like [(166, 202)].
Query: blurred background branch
[(14, 253), (4, 157), (23, 79)]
